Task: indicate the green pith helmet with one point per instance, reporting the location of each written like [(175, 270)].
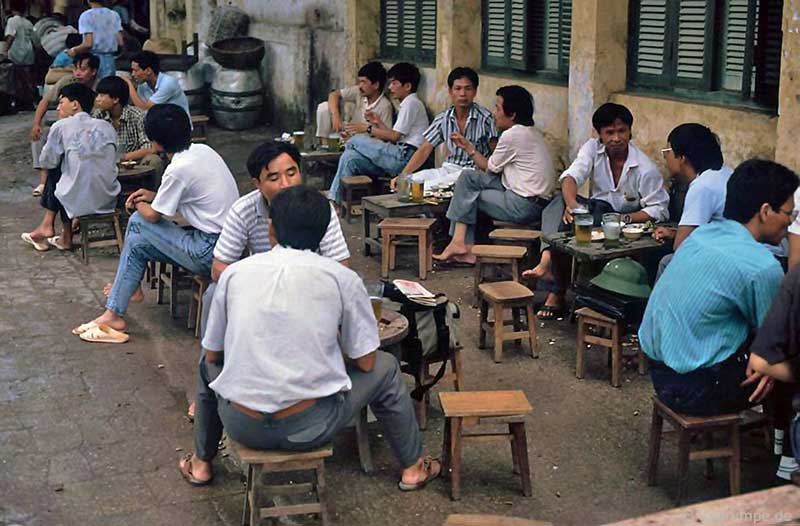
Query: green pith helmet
[(624, 276)]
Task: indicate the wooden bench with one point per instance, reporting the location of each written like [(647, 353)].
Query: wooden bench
[(502, 295), (423, 376), (459, 519), (591, 319), (351, 185), (406, 226), (689, 426), (89, 222), (493, 255), (260, 462), (467, 409)]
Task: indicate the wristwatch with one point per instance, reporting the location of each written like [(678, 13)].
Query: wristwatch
[(369, 129), (626, 218)]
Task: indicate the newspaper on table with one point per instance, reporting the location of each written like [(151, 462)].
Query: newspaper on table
[(415, 292)]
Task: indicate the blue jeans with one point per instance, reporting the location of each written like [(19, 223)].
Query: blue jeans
[(367, 156), (108, 66), (162, 241)]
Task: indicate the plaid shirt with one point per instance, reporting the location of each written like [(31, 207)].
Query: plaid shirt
[(479, 130), (130, 135)]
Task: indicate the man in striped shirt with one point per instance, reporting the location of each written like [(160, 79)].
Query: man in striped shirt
[(465, 119), (715, 293)]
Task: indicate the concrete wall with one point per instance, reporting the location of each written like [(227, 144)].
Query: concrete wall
[(787, 151)]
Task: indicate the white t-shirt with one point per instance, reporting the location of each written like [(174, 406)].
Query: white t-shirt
[(412, 121), (705, 198), (21, 52), (794, 228), (284, 318), (197, 186)]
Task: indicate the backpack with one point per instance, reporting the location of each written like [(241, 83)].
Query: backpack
[(432, 334)]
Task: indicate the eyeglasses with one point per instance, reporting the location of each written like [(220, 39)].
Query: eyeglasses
[(665, 151), (793, 214)]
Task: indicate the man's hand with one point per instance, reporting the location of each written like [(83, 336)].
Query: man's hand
[(355, 127), (663, 233), (36, 133), (462, 142), (765, 383), (373, 118), (336, 123), (567, 218), (140, 195), (393, 184)]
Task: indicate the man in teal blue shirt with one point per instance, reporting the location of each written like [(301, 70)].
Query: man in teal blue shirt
[(714, 295)]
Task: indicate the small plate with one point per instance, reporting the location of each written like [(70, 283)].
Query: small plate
[(598, 235)]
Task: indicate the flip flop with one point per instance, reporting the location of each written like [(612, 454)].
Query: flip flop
[(56, 242), (427, 463), (185, 467), (102, 333), (38, 191), (80, 329), (38, 245), (550, 312)]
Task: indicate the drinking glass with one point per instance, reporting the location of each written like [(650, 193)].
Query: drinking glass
[(583, 226), (375, 291), (612, 228)]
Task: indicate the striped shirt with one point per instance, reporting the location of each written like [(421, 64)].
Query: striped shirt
[(130, 135), (716, 291), (246, 228), (479, 130)]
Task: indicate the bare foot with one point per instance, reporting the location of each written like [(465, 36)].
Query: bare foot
[(112, 319), (40, 234), (542, 270), (451, 251), (138, 295), (466, 258)]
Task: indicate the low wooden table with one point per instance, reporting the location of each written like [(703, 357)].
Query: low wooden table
[(139, 176), (311, 160), (388, 205)]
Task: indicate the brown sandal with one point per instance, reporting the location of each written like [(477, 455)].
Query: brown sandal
[(185, 466), (427, 465)]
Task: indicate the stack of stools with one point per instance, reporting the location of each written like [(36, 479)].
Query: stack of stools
[(502, 295), (464, 410), (420, 228), (489, 256), (689, 426), (262, 462), (353, 185), (91, 221), (589, 319)]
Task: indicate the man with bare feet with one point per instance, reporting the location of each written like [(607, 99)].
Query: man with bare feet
[(514, 183), (197, 188), (80, 155), (623, 179)]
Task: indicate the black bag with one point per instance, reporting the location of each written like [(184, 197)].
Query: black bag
[(431, 335)]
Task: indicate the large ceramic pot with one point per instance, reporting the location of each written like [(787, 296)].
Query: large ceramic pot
[(237, 98)]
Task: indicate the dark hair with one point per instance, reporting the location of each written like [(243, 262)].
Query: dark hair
[(403, 72), (77, 92), (147, 59), (698, 144), (73, 39), (609, 112), (168, 125), (461, 72), (300, 216), (519, 102), (265, 153), (94, 60), (375, 72), (115, 88), (755, 182)]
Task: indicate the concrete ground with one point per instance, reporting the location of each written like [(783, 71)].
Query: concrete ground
[(91, 434)]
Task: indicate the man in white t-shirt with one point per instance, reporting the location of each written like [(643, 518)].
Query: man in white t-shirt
[(297, 341), (19, 37), (367, 95), (369, 154), (197, 188)]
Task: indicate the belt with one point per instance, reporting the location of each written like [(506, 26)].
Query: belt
[(541, 201), (283, 413)]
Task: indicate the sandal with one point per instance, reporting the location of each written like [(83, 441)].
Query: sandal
[(185, 467), (80, 329), (38, 191), (101, 333), (427, 465), (38, 245), (56, 242), (550, 312)]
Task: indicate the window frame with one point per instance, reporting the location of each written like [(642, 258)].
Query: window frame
[(423, 57)]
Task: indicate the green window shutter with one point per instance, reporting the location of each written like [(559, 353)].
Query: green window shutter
[(739, 24), (768, 51), (408, 30), (565, 33), (558, 28), (518, 35), (494, 33), (427, 39), (390, 28), (648, 63), (409, 25), (694, 43)]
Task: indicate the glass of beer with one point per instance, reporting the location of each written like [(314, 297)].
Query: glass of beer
[(612, 227), (375, 291), (299, 139), (334, 142), (583, 226), (417, 190)]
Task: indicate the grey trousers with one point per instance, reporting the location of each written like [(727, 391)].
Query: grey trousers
[(476, 190), (383, 389)]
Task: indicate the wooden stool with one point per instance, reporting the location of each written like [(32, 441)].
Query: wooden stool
[(93, 220), (508, 224), (259, 462), (591, 318), (507, 295), (466, 409), (352, 184), (200, 128), (459, 519), (518, 235), (488, 255), (688, 426), (199, 286), (406, 226), (424, 376), (174, 277)]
